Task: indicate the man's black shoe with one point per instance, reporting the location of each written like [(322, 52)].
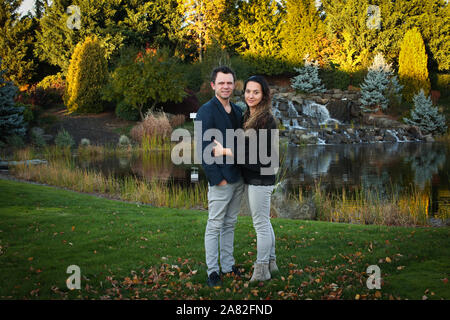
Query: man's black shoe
[(214, 280), (234, 272)]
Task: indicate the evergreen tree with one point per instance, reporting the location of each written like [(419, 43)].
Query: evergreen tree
[(425, 116), (11, 117), (86, 77), (302, 30), (379, 86), (117, 23), (347, 22), (260, 26), (412, 69), (16, 42), (308, 78)]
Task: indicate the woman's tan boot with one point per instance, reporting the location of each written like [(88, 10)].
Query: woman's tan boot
[(273, 268), (261, 272)]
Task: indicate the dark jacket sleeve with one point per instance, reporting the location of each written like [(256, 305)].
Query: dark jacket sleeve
[(257, 166), (212, 171)]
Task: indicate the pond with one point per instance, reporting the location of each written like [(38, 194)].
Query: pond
[(385, 168)]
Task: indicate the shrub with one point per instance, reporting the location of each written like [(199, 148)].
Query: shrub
[(153, 125), (124, 141), (177, 120), (85, 142), (64, 139), (86, 76), (37, 138), (142, 80), (425, 116), (15, 141), (334, 78), (11, 118), (443, 83), (308, 78), (126, 112), (379, 84)]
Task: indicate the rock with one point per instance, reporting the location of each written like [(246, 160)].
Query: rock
[(289, 208), (389, 137), (297, 99), (437, 223), (428, 138), (339, 110), (415, 132)]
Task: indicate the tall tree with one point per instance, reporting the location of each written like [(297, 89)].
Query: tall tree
[(431, 17), (348, 22), (413, 62), (116, 22), (11, 117), (302, 30), (260, 26), (16, 42), (208, 21)]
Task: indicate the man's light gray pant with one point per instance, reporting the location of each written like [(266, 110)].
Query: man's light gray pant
[(224, 203), (259, 203)]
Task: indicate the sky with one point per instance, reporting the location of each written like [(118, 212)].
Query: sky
[(26, 6)]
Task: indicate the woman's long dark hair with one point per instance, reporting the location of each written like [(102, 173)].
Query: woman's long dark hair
[(263, 112)]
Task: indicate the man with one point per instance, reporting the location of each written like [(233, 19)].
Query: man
[(225, 182)]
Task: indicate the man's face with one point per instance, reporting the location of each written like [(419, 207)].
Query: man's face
[(224, 85)]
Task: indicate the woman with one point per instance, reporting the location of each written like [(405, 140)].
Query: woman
[(259, 186)]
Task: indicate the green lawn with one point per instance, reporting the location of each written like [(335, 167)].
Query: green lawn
[(126, 250)]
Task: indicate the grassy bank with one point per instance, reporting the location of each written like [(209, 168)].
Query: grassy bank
[(132, 251)]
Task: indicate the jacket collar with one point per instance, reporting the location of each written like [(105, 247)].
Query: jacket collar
[(237, 113)]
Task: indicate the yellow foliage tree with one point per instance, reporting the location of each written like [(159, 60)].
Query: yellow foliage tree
[(86, 76), (413, 60)]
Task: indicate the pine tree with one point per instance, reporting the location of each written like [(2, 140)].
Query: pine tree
[(308, 78), (347, 23), (302, 30), (11, 117), (379, 86), (86, 77), (16, 43), (413, 62), (260, 25), (425, 116)]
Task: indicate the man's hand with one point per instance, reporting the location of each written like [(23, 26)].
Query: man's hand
[(220, 151), (222, 183)]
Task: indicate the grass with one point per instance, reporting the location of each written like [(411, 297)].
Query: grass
[(131, 251)]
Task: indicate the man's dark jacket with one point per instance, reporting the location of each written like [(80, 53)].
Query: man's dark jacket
[(213, 116)]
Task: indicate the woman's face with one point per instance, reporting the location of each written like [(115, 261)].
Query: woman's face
[(253, 94)]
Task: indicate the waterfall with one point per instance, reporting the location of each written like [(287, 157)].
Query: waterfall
[(394, 134), (318, 111), (292, 112), (276, 112)]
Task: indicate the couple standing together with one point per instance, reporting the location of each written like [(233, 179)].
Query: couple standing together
[(228, 182)]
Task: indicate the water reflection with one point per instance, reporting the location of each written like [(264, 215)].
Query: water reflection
[(382, 168)]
